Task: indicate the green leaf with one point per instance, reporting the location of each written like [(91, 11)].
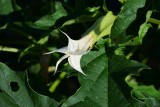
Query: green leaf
[(142, 92), (43, 40), (85, 17), (115, 97), (104, 85), (142, 32), (125, 18), (6, 7), (33, 47), (146, 93), (119, 91), (49, 20), (15, 91), (94, 88), (41, 100), (26, 51), (8, 49)]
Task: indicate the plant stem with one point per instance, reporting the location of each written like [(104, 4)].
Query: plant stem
[(57, 82), (155, 21)]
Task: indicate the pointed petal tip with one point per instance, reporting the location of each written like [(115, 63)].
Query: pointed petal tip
[(83, 73), (54, 72), (64, 33), (48, 53), (45, 54), (59, 61)]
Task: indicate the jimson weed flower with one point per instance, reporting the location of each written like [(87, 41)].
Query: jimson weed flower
[(74, 51), (77, 48)]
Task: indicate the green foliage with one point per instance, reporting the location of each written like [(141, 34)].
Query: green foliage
[(119, 68), (6, 7), (89, 93), (142, 32), (94, 14), (15, 91), (49, 20), (125, 18), (125, 46)]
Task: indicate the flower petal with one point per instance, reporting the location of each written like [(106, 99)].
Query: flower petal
[(65, 34), (80, 47), (73, 45), (85, 42), (61, 50), (59, 61), (74, 61)]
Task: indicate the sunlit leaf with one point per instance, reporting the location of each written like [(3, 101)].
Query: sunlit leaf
[(145, 93), (83, 18), (142, 32), (119, 68), (49, 20), (6, 7), (125, 18)]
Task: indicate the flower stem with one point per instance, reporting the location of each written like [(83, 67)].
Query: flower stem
[(57, 82)]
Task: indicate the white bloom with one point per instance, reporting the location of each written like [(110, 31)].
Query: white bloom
[(74, 51)]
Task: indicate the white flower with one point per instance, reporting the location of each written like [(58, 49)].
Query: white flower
[(74, 51)]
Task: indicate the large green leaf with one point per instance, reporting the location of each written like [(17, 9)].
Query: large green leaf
[(116, 97), (49, 20), (141, 34), (6, 7), (15, 91), (125, 18), (104, 85), (146, 93), (94, 86), (119, 91), (85, 17)]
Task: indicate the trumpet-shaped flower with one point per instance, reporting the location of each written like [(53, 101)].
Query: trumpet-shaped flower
[(74, 51)]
